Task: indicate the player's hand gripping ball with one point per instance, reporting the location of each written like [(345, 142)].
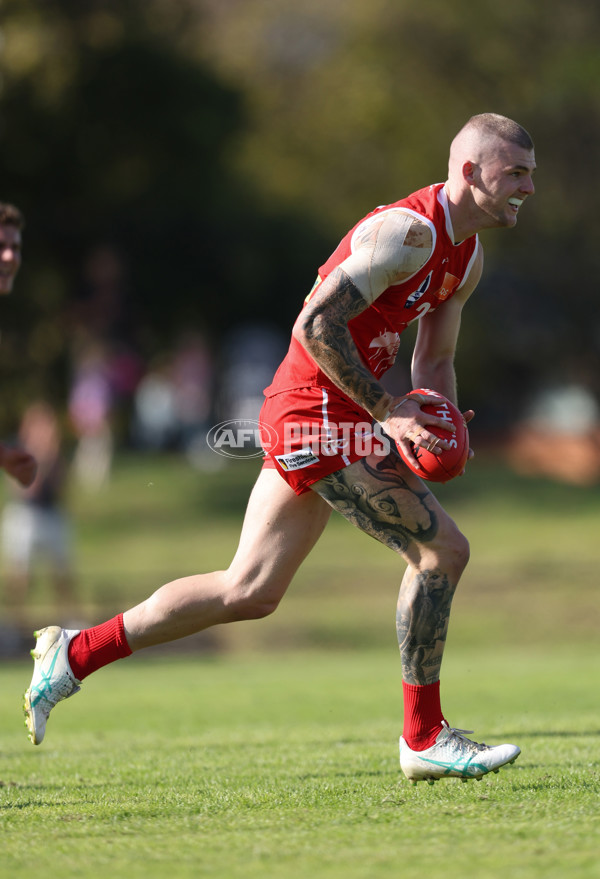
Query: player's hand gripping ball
[(442, 465)]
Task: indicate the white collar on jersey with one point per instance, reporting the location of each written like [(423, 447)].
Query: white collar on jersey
[(443, 200)]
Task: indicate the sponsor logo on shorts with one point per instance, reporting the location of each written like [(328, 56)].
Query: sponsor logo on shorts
[(297, 460)]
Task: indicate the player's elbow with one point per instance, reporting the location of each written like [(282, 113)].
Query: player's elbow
[(309, 328), (299, 330)]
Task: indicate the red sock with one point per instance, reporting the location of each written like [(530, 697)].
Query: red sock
[(95, 647), (422, 715)]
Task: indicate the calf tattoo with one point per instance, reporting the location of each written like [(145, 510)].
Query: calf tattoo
[(422, 624), (379, 499)]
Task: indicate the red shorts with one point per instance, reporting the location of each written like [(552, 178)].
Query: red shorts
[(308, 433)]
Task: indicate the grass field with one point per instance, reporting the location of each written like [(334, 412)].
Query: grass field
[(269, 749), (249, 767)]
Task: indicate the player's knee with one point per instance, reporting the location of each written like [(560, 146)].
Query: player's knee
[(449, 553), (457, 553), (245, 603), (257, 609)]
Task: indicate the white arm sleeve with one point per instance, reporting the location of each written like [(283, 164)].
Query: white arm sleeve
[(380, 257)]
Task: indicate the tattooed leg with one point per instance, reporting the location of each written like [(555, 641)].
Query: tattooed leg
[(382, 498), (422, 621), (385, 500)]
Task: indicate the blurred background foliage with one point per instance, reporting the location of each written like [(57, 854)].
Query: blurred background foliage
[(222, 147)]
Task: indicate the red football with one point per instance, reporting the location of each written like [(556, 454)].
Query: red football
[(445, 464)]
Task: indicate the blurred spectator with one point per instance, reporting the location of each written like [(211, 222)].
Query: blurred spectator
[(18, 463), (90, 404), (173, 405), (193, 380), (154, 422), (105, 364), (252, 353), (35, 526)]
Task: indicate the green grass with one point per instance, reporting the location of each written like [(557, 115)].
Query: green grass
[(269, 749), (242, 766)]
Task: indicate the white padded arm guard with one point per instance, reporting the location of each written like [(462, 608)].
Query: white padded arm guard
[(379, 255)]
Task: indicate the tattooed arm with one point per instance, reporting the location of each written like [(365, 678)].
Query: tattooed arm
[(322, 328), (387, 248)]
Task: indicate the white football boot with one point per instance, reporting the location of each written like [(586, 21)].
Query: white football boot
[(52, 679), (453, 754)]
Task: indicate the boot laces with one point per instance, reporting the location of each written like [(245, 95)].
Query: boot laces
[(462, 735)]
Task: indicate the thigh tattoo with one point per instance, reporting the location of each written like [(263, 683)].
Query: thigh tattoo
[(380, 502)]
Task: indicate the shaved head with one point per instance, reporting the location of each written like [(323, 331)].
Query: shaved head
[(479, 137), (490, 171)]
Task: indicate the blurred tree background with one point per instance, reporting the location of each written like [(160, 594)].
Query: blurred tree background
[(220, 148)]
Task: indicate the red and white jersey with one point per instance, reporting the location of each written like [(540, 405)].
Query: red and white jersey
[(376, 331)]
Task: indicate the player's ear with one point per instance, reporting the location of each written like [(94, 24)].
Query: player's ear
[(469, 171)]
